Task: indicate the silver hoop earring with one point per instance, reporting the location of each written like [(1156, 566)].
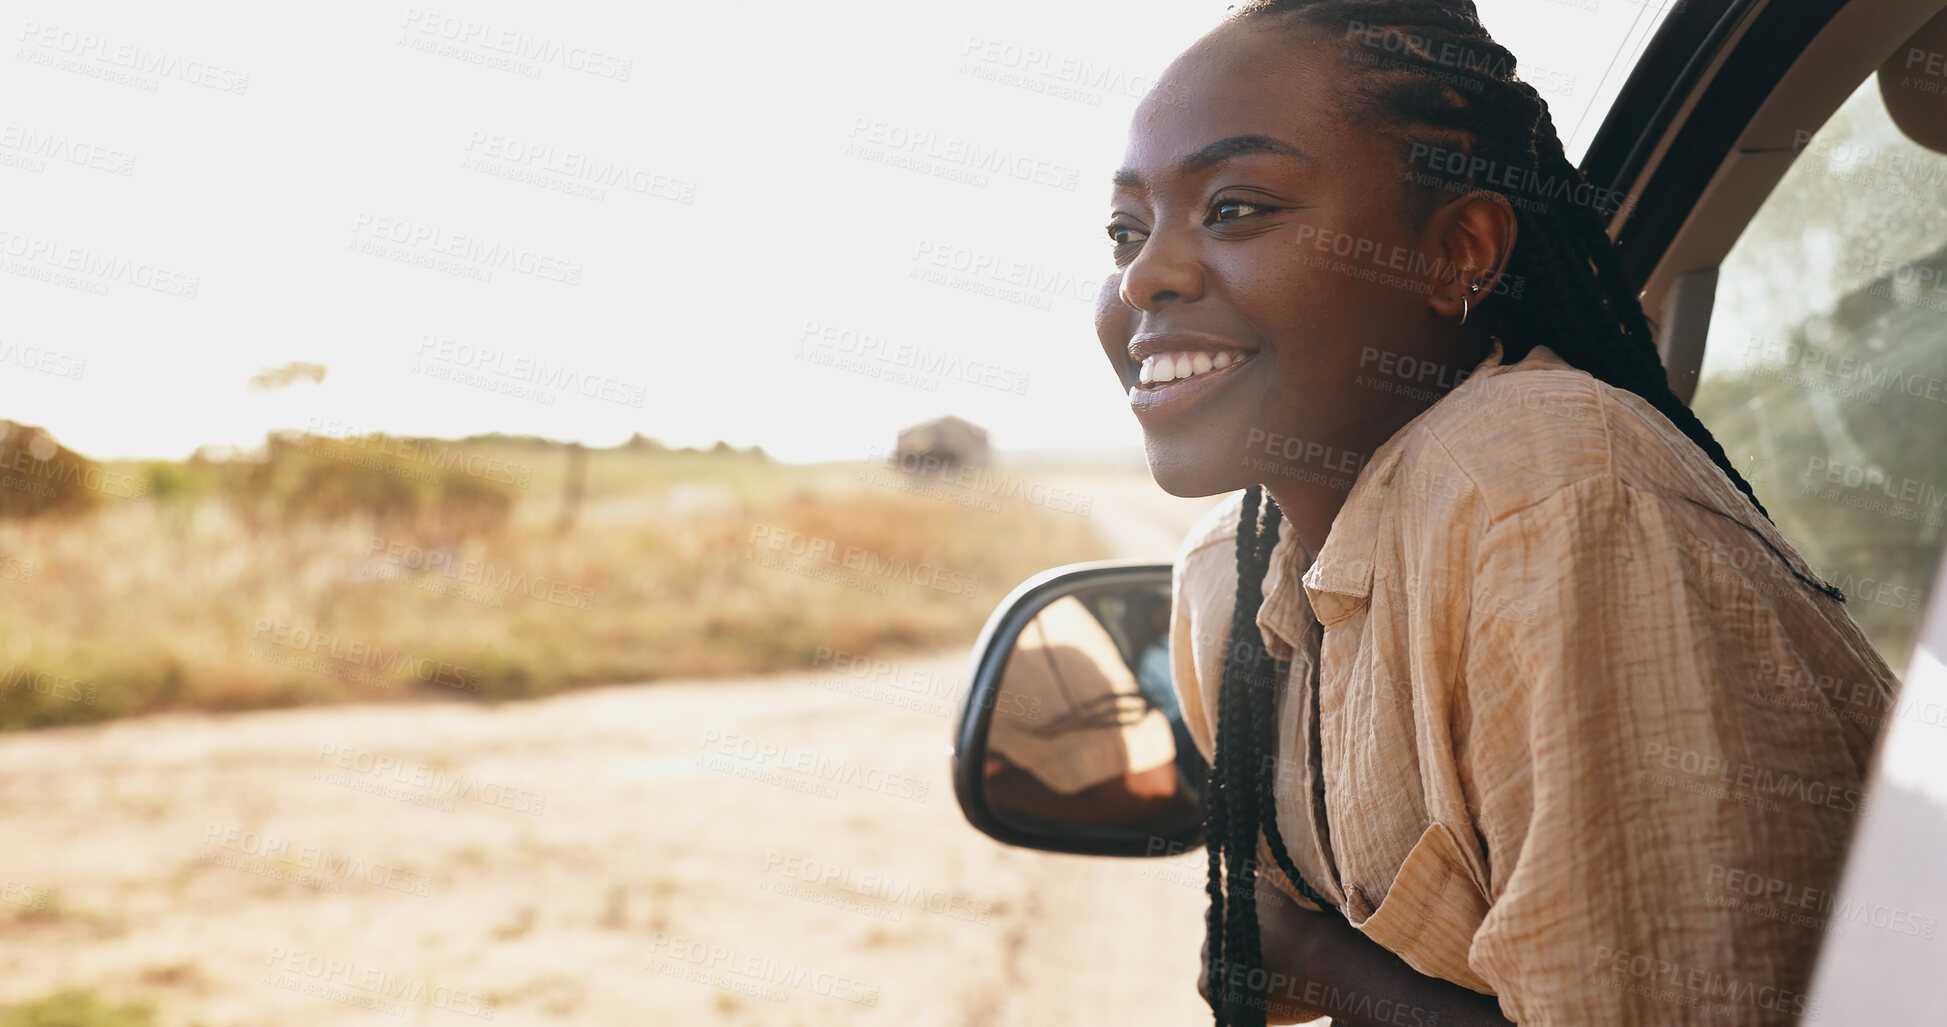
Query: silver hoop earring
[(1463, 310)]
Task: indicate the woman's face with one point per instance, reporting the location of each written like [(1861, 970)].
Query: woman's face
[(1272, 251)]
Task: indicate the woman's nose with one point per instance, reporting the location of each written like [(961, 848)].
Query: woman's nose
[(1167, 268)]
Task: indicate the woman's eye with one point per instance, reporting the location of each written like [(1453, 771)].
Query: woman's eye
[(1123, 235), (1231, 210)]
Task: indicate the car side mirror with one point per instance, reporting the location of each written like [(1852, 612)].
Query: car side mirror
[(1070, 738)]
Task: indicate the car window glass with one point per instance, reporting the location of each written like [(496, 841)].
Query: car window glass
[(1576, 53), (1826, 372)]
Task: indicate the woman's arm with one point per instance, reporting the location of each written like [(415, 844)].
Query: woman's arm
[(1316, 965), (1629, 778)]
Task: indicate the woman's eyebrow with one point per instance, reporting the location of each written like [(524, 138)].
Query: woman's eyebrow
[(1218, 152)]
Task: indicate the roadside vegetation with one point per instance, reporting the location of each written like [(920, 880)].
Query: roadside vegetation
[(323, 570)]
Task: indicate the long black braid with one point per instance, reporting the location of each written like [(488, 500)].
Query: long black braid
[(1429, 75)]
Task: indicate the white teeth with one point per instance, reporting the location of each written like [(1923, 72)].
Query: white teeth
[(1168, 367)]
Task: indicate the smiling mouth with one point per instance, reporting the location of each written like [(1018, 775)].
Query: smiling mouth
[(1160, 370), (1175, 382)]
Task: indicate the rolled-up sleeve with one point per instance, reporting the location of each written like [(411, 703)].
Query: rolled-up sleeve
[(1659, 843)]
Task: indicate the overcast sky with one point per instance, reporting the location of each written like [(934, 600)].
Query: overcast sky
[(587, 220)]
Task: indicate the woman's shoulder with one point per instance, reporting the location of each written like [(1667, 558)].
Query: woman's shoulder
[(1524, 433)]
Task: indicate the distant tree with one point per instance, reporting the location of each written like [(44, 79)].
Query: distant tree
[(40, 476)]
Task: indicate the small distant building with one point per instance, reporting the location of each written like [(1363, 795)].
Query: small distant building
[(943, 442)]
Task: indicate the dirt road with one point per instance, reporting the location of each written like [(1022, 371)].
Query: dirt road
[(777, 850)]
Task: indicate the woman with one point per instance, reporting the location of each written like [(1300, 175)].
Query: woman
[(1490, 655)]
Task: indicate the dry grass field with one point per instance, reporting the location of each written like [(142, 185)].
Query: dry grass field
[(233, 587)]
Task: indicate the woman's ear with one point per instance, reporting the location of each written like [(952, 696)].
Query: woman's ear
[(1472, 236)]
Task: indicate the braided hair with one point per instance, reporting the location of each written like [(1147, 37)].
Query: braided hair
[(1427, 74), (1241, 797)]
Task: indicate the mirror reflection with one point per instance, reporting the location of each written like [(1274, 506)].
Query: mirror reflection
[(1087, 729)]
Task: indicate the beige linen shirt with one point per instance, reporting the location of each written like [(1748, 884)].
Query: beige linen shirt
[(1591, 741)]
